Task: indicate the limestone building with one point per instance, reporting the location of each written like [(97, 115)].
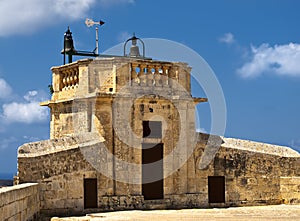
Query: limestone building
[(122, 136)]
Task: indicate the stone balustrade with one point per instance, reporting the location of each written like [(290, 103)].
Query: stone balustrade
[(86, 74), (69, 78), (65, 78), (152, 73)]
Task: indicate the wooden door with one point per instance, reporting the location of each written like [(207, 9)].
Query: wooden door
[(216, 189), (90, 193), (152, 153)]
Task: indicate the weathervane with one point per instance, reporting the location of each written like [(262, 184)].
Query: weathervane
[(69, 49), (89, 22)]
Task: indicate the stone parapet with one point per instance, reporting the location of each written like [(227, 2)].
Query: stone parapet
[(20, 202)]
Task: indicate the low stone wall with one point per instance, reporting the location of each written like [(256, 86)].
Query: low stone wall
[(20, 202)]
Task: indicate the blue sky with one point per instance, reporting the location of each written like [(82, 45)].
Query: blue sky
[(252, 46)]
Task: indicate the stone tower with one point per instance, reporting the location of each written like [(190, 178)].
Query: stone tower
[(133, 104), (122, 136)]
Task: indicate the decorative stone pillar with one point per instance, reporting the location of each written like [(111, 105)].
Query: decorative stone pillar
[(165, 78), (134, 74), (157, 76), (149, 76), (142, 75)]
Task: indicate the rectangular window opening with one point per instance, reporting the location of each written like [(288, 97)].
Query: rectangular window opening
[(152, 129)]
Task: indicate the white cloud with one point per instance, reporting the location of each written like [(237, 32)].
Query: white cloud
[(281, 60), (72, 9), (227, 38), (33, 96), (6, 142), (28, 111), (5, 89), (27, 16)]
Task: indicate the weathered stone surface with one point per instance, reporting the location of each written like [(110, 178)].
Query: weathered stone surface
[(253, 213), (97, 132), (290, 189), (20, 202), (253, 146)]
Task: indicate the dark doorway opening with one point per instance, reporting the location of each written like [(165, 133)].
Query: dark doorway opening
[(216, 189), (90, 193), (152, 153)]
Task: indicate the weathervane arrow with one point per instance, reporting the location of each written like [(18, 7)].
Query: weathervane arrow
[(89, 22)]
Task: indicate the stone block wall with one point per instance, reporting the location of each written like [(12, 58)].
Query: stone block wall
[(251, 178), (290, 189), (20, 202), (60, 166), (63, 194), (254, 171), (290, 166)]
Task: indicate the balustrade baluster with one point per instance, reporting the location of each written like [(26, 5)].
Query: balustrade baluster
[(68, 80), (149, 76), (157, 75), (134, 73), (63, 81), (165, 76), (76, 78), (71, 79), (142, 77)]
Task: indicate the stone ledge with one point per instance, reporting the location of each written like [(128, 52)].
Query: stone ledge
[(259, 147)]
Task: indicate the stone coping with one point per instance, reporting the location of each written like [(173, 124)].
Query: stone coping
[(16, 187), (46, 147), (259, 147), (96, 60), (247, 145)]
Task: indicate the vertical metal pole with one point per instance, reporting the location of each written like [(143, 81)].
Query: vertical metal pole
[(70, 58), (97, 40), (64, 51)]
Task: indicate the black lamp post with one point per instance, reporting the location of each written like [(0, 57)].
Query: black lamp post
[(68, 46)]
